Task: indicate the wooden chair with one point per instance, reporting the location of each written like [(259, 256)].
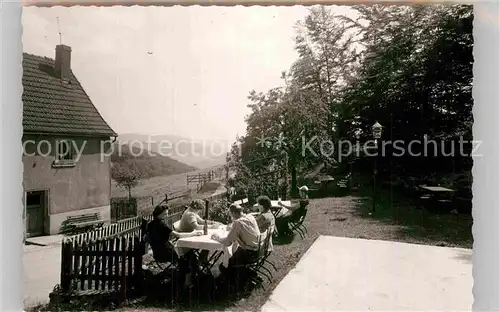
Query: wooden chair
[(161, 265), (256, 267), (252, 266), (296, 223), (270, 234), (263, 257)]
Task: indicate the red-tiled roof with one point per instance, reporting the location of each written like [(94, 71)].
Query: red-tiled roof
[(51, 105)]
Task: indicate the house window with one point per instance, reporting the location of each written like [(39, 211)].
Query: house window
[(64, 153)]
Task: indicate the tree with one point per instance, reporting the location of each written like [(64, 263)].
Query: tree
[(408, 67), (327, 61), (126, 175), (415, 78)]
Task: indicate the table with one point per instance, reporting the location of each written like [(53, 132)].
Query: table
[(436, 194), (274, 203), (279, 211), (204, 242), (276, 209), (436, 188)]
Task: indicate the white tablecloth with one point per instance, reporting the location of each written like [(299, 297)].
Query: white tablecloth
[(176, 225), (275, 207), (204, 242), (274, 203), (282, 212)]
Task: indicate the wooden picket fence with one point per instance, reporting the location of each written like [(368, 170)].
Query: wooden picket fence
[(112, 265), (106, 260), (122, 227)]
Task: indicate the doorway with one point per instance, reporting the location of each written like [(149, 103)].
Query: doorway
[(35, 213)]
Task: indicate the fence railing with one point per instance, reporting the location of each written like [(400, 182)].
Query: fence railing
[(110, 264), (124, 207), (201, 178), (129, 225), (122, 227)]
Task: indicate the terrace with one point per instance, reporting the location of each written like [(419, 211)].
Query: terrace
[(340, 217)]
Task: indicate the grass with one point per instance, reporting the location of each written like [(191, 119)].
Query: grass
[(158, 186), (418, 225), (394, 220)]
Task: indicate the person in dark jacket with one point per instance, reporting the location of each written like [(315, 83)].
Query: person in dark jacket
[(159, 235), (294, 211)]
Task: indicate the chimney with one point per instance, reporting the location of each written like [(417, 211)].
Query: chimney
[(63, 61)]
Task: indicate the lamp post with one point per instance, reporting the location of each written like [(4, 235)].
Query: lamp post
[(228, 193), (377, 134)]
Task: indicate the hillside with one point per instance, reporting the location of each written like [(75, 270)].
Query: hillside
[(194, 153), (150, 164)]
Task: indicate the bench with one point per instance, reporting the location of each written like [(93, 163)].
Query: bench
[(80, 223), (314, 187), (435, 198), (343, 185), (344, 182), (320, 187)]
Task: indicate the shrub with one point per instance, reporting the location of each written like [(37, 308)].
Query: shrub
[(220, 212)]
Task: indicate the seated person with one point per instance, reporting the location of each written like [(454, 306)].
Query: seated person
[(191, 220), (245, 232), (265, 219), (159, 236), (293, 211)]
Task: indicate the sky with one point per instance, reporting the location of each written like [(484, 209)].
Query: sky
[(184, 71)]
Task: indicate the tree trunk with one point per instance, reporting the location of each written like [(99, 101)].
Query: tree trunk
[(293, 170), (285, 195), (129, 192)]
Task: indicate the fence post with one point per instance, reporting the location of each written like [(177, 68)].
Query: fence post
[(65, 266), (129, 278), (86, 266), (124, 203), (75, 257), (123, 261), (139, 251)]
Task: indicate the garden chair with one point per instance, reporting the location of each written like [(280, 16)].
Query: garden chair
[(271, 234), (256, 267), (296, 222), (168, 272), (250, 268), (263, 257), (161, 265)]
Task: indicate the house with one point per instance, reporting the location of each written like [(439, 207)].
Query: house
[(67, 170)]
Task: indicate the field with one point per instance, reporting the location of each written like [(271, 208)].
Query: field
[(158, 186)]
